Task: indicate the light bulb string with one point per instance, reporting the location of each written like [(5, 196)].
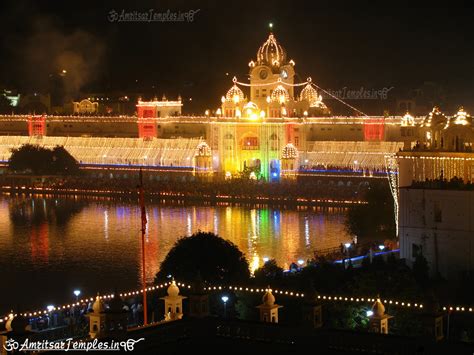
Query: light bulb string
[(269, 84), (338, 99)]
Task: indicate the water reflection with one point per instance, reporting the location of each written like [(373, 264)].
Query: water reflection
[(63, 244)]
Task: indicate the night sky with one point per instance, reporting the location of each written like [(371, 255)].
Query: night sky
[(337, 45)]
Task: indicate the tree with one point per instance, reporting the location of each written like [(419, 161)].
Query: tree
[(376, 218), (218, 260), (270, 271), (42, 161)]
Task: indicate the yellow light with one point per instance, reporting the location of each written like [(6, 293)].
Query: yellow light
[(236, 99), (262, 114), (281, 99), (249, 112), (238, 113), (283, 111), (222, 99), (207, 112), (305, 113), (268, 99), (219, 112)]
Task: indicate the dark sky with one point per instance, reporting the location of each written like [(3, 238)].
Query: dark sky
[(337, 45)]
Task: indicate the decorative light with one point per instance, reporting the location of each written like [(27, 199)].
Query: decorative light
[(369, 313), (280, 94), (462, 117), (262, 114), (265, 259), (207, 112), (408, 120), (237, 113), (219, 112), (268, 99), (347, 245), (283, 111), (381, 247), (50, 308), (305, 113), (300, 262), (222, 99)]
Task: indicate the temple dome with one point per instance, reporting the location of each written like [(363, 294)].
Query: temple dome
[(235, 93), (310, 94), (280, 94), (173, 289), (268, 299), (378, 308), (462, 118), (271, 52), (435, 118), (98, 306), (290, 152)]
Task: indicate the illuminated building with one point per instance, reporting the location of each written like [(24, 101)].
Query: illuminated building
[(435, 212), (251, 130)]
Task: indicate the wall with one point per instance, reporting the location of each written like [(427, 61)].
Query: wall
[(440, 224)]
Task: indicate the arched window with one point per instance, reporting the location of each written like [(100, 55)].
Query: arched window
[(250, 143)]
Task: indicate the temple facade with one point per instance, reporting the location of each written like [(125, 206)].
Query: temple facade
[(270, 126)]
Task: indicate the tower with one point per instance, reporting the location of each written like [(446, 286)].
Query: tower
[(379, 320), (97, 324), (269, 309), (173, 303)]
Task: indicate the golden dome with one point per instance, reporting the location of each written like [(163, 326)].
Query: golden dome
[(271, 52), (235, 94), (280, 94), (98, 306), (173, 290), (311, 95), (290, 152), (435, 118), (378, 308), (462, 118), (268, 299)]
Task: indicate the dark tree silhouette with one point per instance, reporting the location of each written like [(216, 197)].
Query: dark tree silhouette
[(374, 220), (218, 260), (268, 272), (37, 160)]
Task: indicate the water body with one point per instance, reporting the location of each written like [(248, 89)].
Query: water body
[(52, 246)]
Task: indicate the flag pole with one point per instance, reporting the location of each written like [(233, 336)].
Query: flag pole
[(141, 198)]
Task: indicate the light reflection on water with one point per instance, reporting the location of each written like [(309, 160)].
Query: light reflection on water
[(51, 246)]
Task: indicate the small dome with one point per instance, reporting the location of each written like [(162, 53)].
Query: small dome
[(435, 118), (310, 94), (280, 94), (408, 120), (290, 152), (271, 52), (173, 290), (378, 308), (235, 94), (268, 299), (462, 118), (98, 306), (203, 150)]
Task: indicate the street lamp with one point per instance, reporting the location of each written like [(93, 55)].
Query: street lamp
[(369, 313), (77, 293), (225, 299), (50, 308)]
